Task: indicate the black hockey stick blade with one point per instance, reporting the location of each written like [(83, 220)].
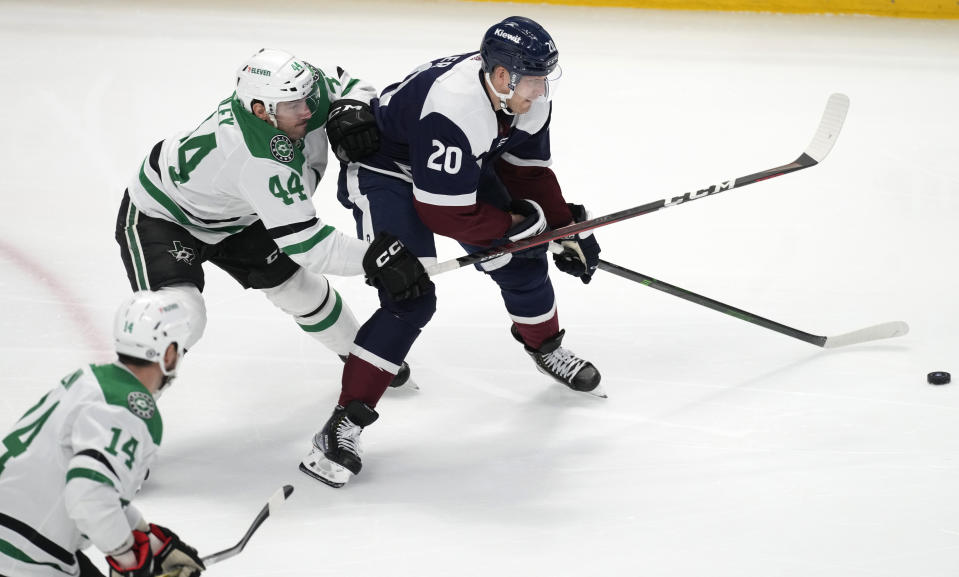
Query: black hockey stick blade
[(278, 498), (873, 333), (829, 127)]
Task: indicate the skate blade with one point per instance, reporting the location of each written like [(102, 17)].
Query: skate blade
[(325, 471), (598, 392), (409, 385)]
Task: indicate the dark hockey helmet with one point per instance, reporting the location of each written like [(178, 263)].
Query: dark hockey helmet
[(521, 46)]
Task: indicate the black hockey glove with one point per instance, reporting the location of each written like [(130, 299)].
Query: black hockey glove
[(580, 252), (390, 266), (134, 561), (351, 128), (533, 223), (171, 554)]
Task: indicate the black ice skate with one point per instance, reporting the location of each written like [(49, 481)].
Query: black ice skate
[(401, 380), (336, 448), (563, 365)]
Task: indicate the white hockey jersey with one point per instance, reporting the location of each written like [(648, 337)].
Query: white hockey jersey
[(235, 169), (72, 465)]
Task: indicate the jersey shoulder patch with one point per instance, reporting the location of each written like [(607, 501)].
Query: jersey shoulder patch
[(122, 389)]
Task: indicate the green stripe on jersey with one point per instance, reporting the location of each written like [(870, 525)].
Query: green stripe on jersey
[(349, 86), (79, 473), (309, 243), (122, 389), (174, 209), (10, 550), (133, 242), (159, 196), (330, 319)]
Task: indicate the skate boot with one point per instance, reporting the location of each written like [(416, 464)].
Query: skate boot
[(336, 448), (401, 380), (563, 365)]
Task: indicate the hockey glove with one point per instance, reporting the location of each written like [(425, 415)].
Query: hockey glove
[(351, 128), (533, 223), (580, 253), (391, 267), (171, 554), (134, 561)]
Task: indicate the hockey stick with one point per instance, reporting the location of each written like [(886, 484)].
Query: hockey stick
[(278, 498), (823, 141), (876, 332)]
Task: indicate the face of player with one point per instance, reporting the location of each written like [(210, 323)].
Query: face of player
[(529, 89), (292, 117)]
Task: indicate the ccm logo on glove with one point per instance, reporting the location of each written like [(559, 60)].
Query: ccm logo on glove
[(393, 250)]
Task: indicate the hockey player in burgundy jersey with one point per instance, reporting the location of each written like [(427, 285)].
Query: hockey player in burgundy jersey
[(465, 153)]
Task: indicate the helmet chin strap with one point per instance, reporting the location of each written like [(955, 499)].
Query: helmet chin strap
[(502, 97), (271, 114)]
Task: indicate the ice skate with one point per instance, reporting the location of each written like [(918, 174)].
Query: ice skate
[(336, 448), (563, 365), (402, 380)]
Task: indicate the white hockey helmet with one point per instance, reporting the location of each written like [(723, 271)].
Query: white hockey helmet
[(147, 323), (273, 76)]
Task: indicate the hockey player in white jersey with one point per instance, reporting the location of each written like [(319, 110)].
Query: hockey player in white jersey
[(75, 460), (236, 191)]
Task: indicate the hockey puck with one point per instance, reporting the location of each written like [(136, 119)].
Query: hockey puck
[(939, 378)]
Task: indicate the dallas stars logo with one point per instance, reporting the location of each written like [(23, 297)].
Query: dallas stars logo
[(141, 405), (182, 253), (282, 148)]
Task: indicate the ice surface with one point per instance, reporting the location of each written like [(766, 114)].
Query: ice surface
[(724, 449)]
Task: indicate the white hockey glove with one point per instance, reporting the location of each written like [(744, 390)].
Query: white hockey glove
[(133, 560), (533, 223), (171, 554), (577, 255)]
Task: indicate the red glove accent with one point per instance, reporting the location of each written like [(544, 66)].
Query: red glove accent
[(144, 559), (172, 554)]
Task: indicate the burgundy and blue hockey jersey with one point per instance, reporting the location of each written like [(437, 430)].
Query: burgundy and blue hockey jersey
[(440, 132)]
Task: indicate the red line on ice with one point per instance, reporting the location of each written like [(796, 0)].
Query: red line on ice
[(68, 301)]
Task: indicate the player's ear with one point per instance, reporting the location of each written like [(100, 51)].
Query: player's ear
[(259, 110), (170, 357), (501, 78)]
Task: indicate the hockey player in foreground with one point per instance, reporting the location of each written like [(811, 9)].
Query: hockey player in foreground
[(236, 191), (75, 460), (464, 153)]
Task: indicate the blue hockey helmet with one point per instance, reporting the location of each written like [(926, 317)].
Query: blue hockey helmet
[(523, 48)]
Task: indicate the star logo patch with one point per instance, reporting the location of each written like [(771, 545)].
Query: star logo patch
[(182, 253)]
